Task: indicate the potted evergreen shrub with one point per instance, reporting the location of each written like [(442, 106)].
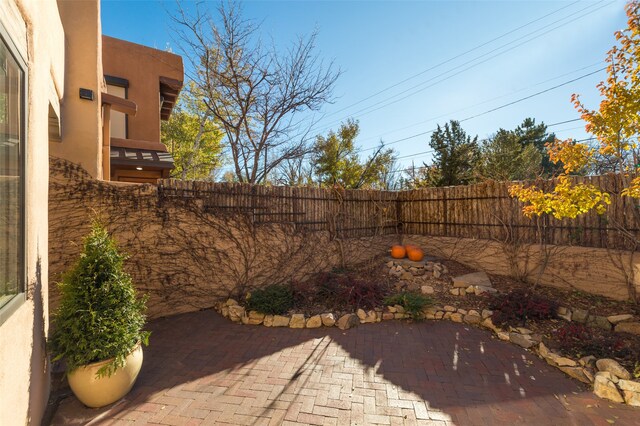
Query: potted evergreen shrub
[(97, 328)]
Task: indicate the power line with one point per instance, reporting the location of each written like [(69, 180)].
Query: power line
[(454, 58), (414, 92), (491, 110), (423, 167), (483, 102)]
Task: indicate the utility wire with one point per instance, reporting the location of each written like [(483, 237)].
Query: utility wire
[(453, 58), (408, 169), (491, 110), (482, 102), (390, 100)]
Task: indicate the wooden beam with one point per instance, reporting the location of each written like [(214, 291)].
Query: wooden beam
[(120, 104)]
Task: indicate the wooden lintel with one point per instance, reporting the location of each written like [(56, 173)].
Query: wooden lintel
[(120, 104)]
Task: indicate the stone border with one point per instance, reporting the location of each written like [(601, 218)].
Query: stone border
[(609, 379)]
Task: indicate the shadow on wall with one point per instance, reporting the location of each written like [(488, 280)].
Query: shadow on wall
[(184, 256), (39, 364), (203, 366)]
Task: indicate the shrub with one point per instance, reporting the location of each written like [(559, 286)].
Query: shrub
[(517, 307), (413, 303), (578, 340), (99, 316), (349, 291), (275, 299)]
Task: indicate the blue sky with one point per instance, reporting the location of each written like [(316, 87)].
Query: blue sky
[(379, 44)]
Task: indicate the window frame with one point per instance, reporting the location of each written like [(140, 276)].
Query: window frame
[(20, 297)]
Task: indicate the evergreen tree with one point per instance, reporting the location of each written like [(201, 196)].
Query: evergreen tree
[(455, 157)]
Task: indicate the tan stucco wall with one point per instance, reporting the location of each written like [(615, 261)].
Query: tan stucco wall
[(82, 128), (36, 28), (592, 270), (184, 257), (142, 66)]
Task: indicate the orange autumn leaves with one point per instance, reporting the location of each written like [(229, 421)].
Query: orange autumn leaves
[(615, 124)]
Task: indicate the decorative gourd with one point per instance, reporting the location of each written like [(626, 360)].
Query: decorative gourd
[(409, 247), (398, 252), (415, 254)]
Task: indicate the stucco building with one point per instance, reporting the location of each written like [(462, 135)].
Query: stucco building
[(68, 92)]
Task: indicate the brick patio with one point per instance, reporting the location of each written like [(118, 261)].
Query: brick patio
[(201, 370)]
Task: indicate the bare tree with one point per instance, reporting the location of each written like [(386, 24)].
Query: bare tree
[(261, 96)]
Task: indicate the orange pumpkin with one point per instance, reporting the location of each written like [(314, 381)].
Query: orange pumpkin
[(398, 252), (409, 247), (415, 254)]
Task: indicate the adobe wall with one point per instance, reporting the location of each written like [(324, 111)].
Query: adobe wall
[(184, 258), (593, 270), (35, 28)]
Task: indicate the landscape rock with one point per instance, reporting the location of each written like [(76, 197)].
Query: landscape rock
[(391, 309), (427, 289), (439, 315), (462, 311), (406, 276), (399, 309), (390, 264), (280, 321), (630, 391), (470, 289), (612, 366), (400, 315), (224, 311), (231, 302), (615, 319), (472, 319), (473, 312), (580, 315), (605, 388), (473, 279), (347, 321), (328, 319), (449, 308), (297, 321), (456, 317), (236, 312), (370, 317), (576, 372), (314, 322), (486, 313), (255, 318), (455, 291), (437, 273), (503, 335), (523, 330), (600, 322), (564, 313), (479, 289), (361, 314), (521, 340), (446, 316), (628, 327), (488, 323), (587, 361), (268, 321), (388, 316)]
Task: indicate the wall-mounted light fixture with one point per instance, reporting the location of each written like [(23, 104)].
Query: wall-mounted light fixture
[(138, 168), (86, 94)]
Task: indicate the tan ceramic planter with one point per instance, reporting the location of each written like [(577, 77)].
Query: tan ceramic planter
[(95, 391)]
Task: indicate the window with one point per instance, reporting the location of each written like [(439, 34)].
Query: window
[(119, 122), (12, 175)]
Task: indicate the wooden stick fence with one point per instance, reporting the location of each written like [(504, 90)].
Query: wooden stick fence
[(482, 211)]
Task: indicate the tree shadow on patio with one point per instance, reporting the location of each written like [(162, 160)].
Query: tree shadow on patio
[(202, 368)]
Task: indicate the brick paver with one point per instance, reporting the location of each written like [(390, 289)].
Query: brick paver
[(202, 370)]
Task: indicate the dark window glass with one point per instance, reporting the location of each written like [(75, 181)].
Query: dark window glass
[(11, 176)]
